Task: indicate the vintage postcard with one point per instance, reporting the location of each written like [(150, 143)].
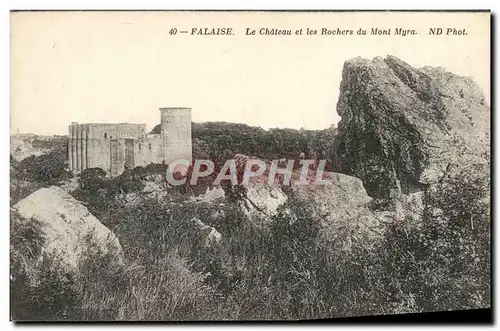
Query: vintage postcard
[(248, 165)]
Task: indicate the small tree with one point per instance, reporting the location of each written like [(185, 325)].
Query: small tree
[(92, 178), (138, 173), (47, 168)]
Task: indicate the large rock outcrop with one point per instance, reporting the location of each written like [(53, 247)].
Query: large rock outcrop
[(403, 128), (342, 207), (68, 227)]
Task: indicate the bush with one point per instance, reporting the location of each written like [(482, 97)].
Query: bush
[(445, 263), (92, 179), (280, 272), (138, 173), (21, 189), (156, 169), (151, 287), (48, 169), (286, 270), (40, 290)]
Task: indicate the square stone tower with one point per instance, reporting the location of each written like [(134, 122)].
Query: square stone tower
[(176, 133)]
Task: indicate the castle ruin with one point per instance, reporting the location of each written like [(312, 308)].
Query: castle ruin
[(117, 147)]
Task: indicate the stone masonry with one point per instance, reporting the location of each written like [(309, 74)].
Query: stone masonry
[(116, 147)]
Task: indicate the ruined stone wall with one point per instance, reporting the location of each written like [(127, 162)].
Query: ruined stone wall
[(70, 150)]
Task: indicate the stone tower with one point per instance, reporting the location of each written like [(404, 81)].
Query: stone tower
[(176, 133)]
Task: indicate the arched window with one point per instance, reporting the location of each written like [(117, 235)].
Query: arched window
[(149, 146), (105, 135)]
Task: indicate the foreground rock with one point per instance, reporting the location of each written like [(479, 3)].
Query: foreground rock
[(69, 228), (343, 208), (403, 128), (209, 234)]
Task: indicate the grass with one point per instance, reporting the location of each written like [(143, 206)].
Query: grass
[(284, 271)]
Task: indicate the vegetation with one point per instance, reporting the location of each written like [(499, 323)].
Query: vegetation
[(46, 169), (54, 143), (444, 264), (92, 179), (219, 141), (39, 290), (35, 172), (287, 270)]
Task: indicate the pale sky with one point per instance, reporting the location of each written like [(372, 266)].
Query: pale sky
[(112, 67)]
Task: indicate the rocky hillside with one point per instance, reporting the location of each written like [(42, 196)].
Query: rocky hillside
[(403, 128)]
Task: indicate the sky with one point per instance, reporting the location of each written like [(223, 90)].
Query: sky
[(114, 67)]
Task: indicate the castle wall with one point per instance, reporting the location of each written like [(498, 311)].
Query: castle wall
[(72, 147), (117, 131), (149, 150), (70, 152), (112, 147), (90, 144), (117, 157), (83, 146), (100, 154), (78, 148)]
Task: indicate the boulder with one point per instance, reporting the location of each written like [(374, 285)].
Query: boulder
[(209, 234), (403, 127), (262, 199), (258, 200), (211, 195), (343, 205), (67, 225)]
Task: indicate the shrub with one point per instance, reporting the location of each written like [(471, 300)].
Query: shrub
[(138, 173), (20, 189), (150, 287), (286, 270), (444, 264), (92, 179), (48, 169), (40, 289), (156, 169)]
